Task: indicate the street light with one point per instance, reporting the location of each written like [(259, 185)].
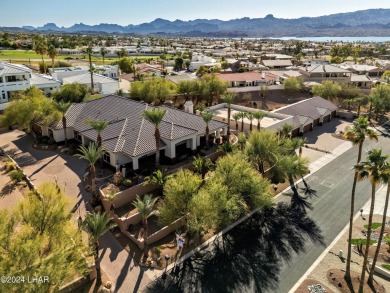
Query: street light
[(164, 275)]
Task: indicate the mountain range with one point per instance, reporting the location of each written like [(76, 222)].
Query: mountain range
[(371, 22)]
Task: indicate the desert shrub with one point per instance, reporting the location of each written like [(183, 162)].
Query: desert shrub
[(127, 182), (117, 178), (10, 166), (16, 176)]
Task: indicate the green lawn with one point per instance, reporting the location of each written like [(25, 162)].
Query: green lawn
[(361, 241), (91, 98), (387, 267), (374, 226)]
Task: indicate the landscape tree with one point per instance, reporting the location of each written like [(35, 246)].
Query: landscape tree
[(178, 64), (327, 90), (371, 169), (250, 117), (155, 90), (98, 126), (126, 65), (30, 107), (40, 47), (53, 53), (202, 165), (73, 93), (241, 140), (259, 115), (63, 107), (91, 154), (228, 99), (263, 96), (103, 52), (207, 117), (89, 51), (96, 225), (386, 75), (380, 99), (236, 116), (357, 134), (242, 117), (145, 207), (155, 116), (385, 178), (178, 192), (293, 85), (38, 239), (158, 177), (213, 87)]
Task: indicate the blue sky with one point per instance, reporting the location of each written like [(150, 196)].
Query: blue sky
[(123, 12)]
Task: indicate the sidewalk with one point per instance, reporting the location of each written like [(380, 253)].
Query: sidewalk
[(380, 198)]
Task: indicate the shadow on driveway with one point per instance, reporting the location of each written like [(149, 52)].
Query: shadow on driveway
[(247, 258)]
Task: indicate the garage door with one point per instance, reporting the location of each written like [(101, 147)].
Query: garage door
[(326, 118), (307, 128)]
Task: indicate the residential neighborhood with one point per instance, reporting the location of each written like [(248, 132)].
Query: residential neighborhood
[(169, 162)]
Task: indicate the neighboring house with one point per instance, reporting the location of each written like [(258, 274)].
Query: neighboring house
[(15, 78), (176, 79), (198, 59), (361, 81), (321, 73), (129, 138), (60, 73), (308, 114), (145, 70), (102, 84), (363, 69), (245, 79), (277, 63), (281, 75)]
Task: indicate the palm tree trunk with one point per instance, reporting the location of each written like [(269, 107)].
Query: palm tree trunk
[(90, 68), (146, 246), (362, 275), (347, 275), (97, 265), (371, 276), (93, 181), (300, 152), (99, 140), (358, 110), (228, 126), (157, 136), (44, 66), (207, 136), (250, 127), (64, 126), (52, 64), (369, 112), (103, 60), (258, 125), (242, 125), (236, 125)]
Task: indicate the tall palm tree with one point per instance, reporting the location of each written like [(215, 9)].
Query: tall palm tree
[(242, 117), (285, 131), (236, 116), (202, 165), (250, 117), (241, 140), (145, 207), (259, 115), (63, 107), (207, 116), (373, 169), (92, 154), (40, 47), (53, 53), (385, 179), (155, 116), (300, 143), (98, 126), (357, 134), (96, 225), (103, 52), (228, 99), (89, 51)]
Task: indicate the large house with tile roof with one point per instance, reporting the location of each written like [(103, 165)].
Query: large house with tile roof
[(129, 138), (14, 77), (320, 73)]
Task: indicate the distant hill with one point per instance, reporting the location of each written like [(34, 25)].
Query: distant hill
[(371, 22)]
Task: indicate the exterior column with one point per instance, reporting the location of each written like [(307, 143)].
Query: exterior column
[(224, 131), (135, 163), (217, 133)]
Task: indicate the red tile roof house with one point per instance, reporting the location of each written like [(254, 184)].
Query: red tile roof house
[(129, 138)]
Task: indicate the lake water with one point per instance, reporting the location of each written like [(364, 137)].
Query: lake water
[(338, 39)]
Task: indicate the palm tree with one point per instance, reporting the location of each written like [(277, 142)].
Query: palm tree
[(263, 95), (207, 116), (53, 53), (155, 116), (385, 179), (373, 169), (96, 225), (250, 117), (202, 165), (228, 98), (300, 143), (242, 117), (89, 51), (92, 154), (158, 177), (123, 53), (259, 115), (145, 207), (236, 116), (103, 52), (41, 49), (63, 107), (285, 131), (357, 134), (98, 126), (241, 140)]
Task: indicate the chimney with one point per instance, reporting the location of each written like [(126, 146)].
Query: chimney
[(189, 107)]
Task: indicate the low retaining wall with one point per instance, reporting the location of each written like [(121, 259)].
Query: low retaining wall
[(381, 271)]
